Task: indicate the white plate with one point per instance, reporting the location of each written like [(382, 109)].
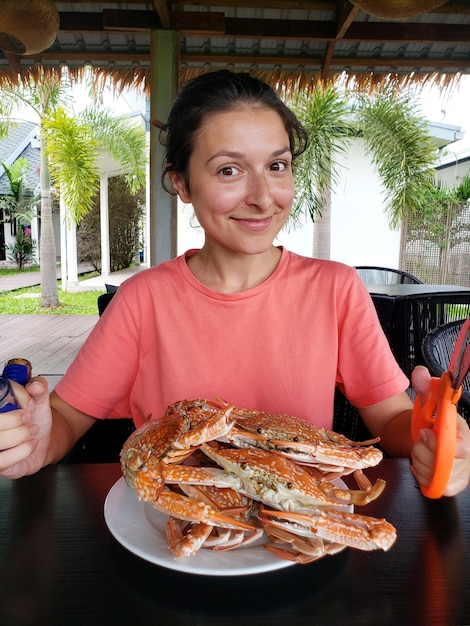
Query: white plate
[(142, 529)]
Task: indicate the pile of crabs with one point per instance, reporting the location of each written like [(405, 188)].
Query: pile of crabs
[(228, 476)]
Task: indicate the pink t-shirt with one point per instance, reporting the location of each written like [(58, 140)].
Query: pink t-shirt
[(280, 347)]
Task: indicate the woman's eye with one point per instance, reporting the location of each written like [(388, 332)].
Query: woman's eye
[(229, 170), (278, 166)]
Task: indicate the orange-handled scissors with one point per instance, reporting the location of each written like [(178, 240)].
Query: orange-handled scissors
[(440, 413)]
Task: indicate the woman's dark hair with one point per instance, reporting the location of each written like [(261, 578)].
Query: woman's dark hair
[(211, 93)]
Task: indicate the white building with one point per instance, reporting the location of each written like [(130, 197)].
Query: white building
[(360, 231)]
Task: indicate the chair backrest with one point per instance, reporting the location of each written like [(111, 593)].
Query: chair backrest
[(384, 307), (437, 349), (103, 442), (371, 275), (103, 300), (347, 420)]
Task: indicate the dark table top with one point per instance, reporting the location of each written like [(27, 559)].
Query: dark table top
[(397, 290), (59, 564)]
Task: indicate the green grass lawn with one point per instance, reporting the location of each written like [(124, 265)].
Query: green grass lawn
[(10, 271), (28, 300)]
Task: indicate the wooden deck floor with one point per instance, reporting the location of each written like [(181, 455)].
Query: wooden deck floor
[(50, 342)]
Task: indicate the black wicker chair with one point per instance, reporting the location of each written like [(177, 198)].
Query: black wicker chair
[(347, 420), (437, 348), (103, 442), (371, 275)]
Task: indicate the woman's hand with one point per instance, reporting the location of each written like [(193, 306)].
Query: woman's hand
[(25, 433), (423, 454)]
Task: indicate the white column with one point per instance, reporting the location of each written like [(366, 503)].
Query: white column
[(35, 235), (68, 250), (104, 220), (72, 265), (63, 244)]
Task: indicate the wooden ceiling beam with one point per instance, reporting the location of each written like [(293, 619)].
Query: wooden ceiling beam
[(125, 21), (161, 7), (217, 25), (345, 14), (408, 32), (213, 24)]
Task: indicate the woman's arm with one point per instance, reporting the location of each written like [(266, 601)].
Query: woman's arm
[(68, 425), (391, 421)]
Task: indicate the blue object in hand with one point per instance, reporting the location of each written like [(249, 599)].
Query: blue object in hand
[(18, 370)]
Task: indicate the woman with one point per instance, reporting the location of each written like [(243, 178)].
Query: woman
[(240, 318)]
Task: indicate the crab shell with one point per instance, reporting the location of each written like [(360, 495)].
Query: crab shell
[(303, 442), (279, 482), (170, 439)]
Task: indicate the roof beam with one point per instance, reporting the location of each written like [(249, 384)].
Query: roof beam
[(215, 24), (345, 15), (163, 11)]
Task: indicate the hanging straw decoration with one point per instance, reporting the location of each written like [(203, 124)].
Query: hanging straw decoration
[(397, 9), (27, 26)]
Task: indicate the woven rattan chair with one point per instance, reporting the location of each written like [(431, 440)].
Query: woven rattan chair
[(347, 420), (417, 315), (437, 349), (371, 275)]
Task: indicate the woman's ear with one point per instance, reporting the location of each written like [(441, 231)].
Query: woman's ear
[(179, 185)]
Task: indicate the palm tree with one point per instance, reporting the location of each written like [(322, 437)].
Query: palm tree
[(69, 159), (42, 96), (18, 208), (326, 116), (19, 204), (394, 135), (71, 149)]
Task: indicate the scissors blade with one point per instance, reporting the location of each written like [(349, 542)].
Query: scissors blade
[(460, 360)]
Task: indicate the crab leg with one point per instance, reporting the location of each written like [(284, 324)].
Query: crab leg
[(349, 529), (218, 530), (185, 508), (188, 541), (301, 549)]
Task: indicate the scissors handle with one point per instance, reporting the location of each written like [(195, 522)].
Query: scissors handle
[(440, 414)]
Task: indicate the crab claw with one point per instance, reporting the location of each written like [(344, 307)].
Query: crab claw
[(349, 529), (355, 496)]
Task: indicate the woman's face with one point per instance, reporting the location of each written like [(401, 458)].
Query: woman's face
[(240, 179)]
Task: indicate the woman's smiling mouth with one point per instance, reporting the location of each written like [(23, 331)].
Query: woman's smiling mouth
[(253, 223)]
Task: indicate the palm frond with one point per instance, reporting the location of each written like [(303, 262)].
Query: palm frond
[(400, 145), (71, 152), (125, 141), (463, 189), (325, 114)]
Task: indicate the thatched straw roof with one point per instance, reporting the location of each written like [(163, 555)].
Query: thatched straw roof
[(294, 42)]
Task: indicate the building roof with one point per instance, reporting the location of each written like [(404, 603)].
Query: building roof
[(287, 40), (22, 141), (444, 134)]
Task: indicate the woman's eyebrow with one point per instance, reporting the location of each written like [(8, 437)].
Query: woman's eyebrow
[(225, 153), (240, 155)]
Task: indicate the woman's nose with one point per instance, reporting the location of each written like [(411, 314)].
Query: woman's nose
[(259, 192)]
